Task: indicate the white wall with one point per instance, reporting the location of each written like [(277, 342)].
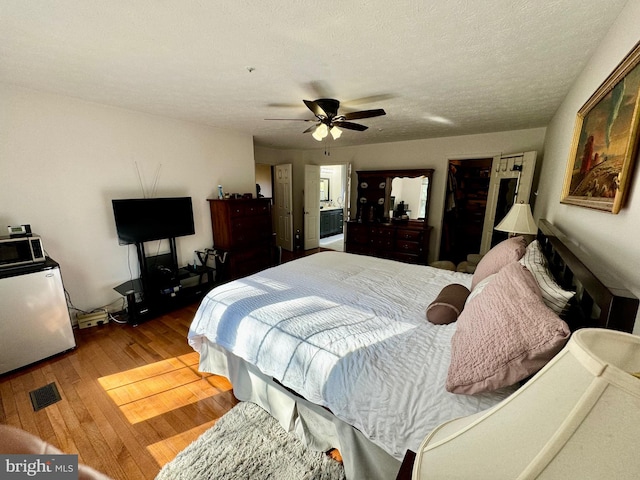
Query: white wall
[(430, 153), (62, 161), (610, 239), (263, 178)]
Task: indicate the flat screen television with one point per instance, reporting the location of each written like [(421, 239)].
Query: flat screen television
[(146, 219)]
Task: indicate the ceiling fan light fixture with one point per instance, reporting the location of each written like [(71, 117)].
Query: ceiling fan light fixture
[(335, 132), (320, 132)]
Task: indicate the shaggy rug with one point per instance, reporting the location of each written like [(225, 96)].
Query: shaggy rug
[(248, 443)]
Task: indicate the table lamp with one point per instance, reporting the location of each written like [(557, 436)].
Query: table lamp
[(518, 220)]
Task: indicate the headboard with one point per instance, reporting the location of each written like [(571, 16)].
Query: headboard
[(601, 300)]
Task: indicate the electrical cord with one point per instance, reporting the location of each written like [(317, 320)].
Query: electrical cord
[(104, 308)]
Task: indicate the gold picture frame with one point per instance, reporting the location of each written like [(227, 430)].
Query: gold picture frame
[(605, 141)]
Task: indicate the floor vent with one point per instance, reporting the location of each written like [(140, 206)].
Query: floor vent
[(44, 396)]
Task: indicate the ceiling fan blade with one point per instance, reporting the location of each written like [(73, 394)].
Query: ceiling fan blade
[(311, 128), (283, 105), (364, 114), (369, 99), (294, 119), (350, 126), (315, 108)]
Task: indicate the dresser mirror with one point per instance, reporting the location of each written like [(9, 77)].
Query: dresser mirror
[(394, 195)]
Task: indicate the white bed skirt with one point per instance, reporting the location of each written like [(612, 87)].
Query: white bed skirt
[(316, 427)]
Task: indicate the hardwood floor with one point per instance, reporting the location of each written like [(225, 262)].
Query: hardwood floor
[(132, 398)]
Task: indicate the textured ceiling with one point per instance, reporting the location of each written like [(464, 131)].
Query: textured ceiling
[(438, 67)]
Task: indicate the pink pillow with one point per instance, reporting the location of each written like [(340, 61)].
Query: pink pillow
[(510, 250), (448, 304), (504, 335)]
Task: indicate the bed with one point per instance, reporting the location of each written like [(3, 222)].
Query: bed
[(336, 346)]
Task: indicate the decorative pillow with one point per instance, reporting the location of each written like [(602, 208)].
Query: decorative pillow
[(510, 250), (504, 335), (448, 304), (554, 296)]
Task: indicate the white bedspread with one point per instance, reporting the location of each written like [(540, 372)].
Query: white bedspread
[(347, 332)]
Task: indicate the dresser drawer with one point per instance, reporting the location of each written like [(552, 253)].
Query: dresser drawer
[(358, 248), (408, 247), (382, 242), (382, 232), (411, 235), (247, 209), (257, 208), (406, 243), (358, 234), (404, 257), (359, 239), (251, 230)]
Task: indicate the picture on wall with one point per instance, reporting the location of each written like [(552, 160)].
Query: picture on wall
[(605, 141)]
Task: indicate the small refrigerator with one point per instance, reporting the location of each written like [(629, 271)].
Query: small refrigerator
[(34, 318)]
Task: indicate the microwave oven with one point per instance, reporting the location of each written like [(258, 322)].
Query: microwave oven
[(23, 250)]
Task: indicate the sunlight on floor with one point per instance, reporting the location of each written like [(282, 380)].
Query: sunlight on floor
[(165, 450), (151, 390), (168, 388)]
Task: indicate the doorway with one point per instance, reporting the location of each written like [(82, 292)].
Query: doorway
[(465, 206), (480, 192), (329, 208)]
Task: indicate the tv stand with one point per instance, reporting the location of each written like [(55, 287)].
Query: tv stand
[(162, 285)]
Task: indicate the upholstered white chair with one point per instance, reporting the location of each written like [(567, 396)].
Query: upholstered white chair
[(16, 441)]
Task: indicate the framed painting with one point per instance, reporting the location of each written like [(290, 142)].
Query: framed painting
[(605, 141)]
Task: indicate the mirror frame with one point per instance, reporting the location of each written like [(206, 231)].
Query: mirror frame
[(389, 175), (326, 190)]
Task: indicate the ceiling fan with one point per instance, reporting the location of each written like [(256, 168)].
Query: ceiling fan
[(328, 121)]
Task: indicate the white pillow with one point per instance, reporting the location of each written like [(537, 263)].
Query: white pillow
[(553, 295), (479, 287)]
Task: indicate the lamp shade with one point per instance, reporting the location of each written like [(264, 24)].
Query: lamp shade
[(577, 418), (518, 220), (320, 132)]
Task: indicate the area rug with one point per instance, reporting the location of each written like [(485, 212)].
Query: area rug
[(248, 443)]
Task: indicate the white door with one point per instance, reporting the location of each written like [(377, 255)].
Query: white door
[(511, 177), (311, 206), (283, 203)]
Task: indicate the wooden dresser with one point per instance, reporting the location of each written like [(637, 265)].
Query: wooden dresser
[(382, 228), (407, 242), (243, 229)]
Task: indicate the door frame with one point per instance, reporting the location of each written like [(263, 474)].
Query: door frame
[(517, 165)]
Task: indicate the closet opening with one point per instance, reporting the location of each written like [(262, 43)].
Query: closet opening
[(465, 207)]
